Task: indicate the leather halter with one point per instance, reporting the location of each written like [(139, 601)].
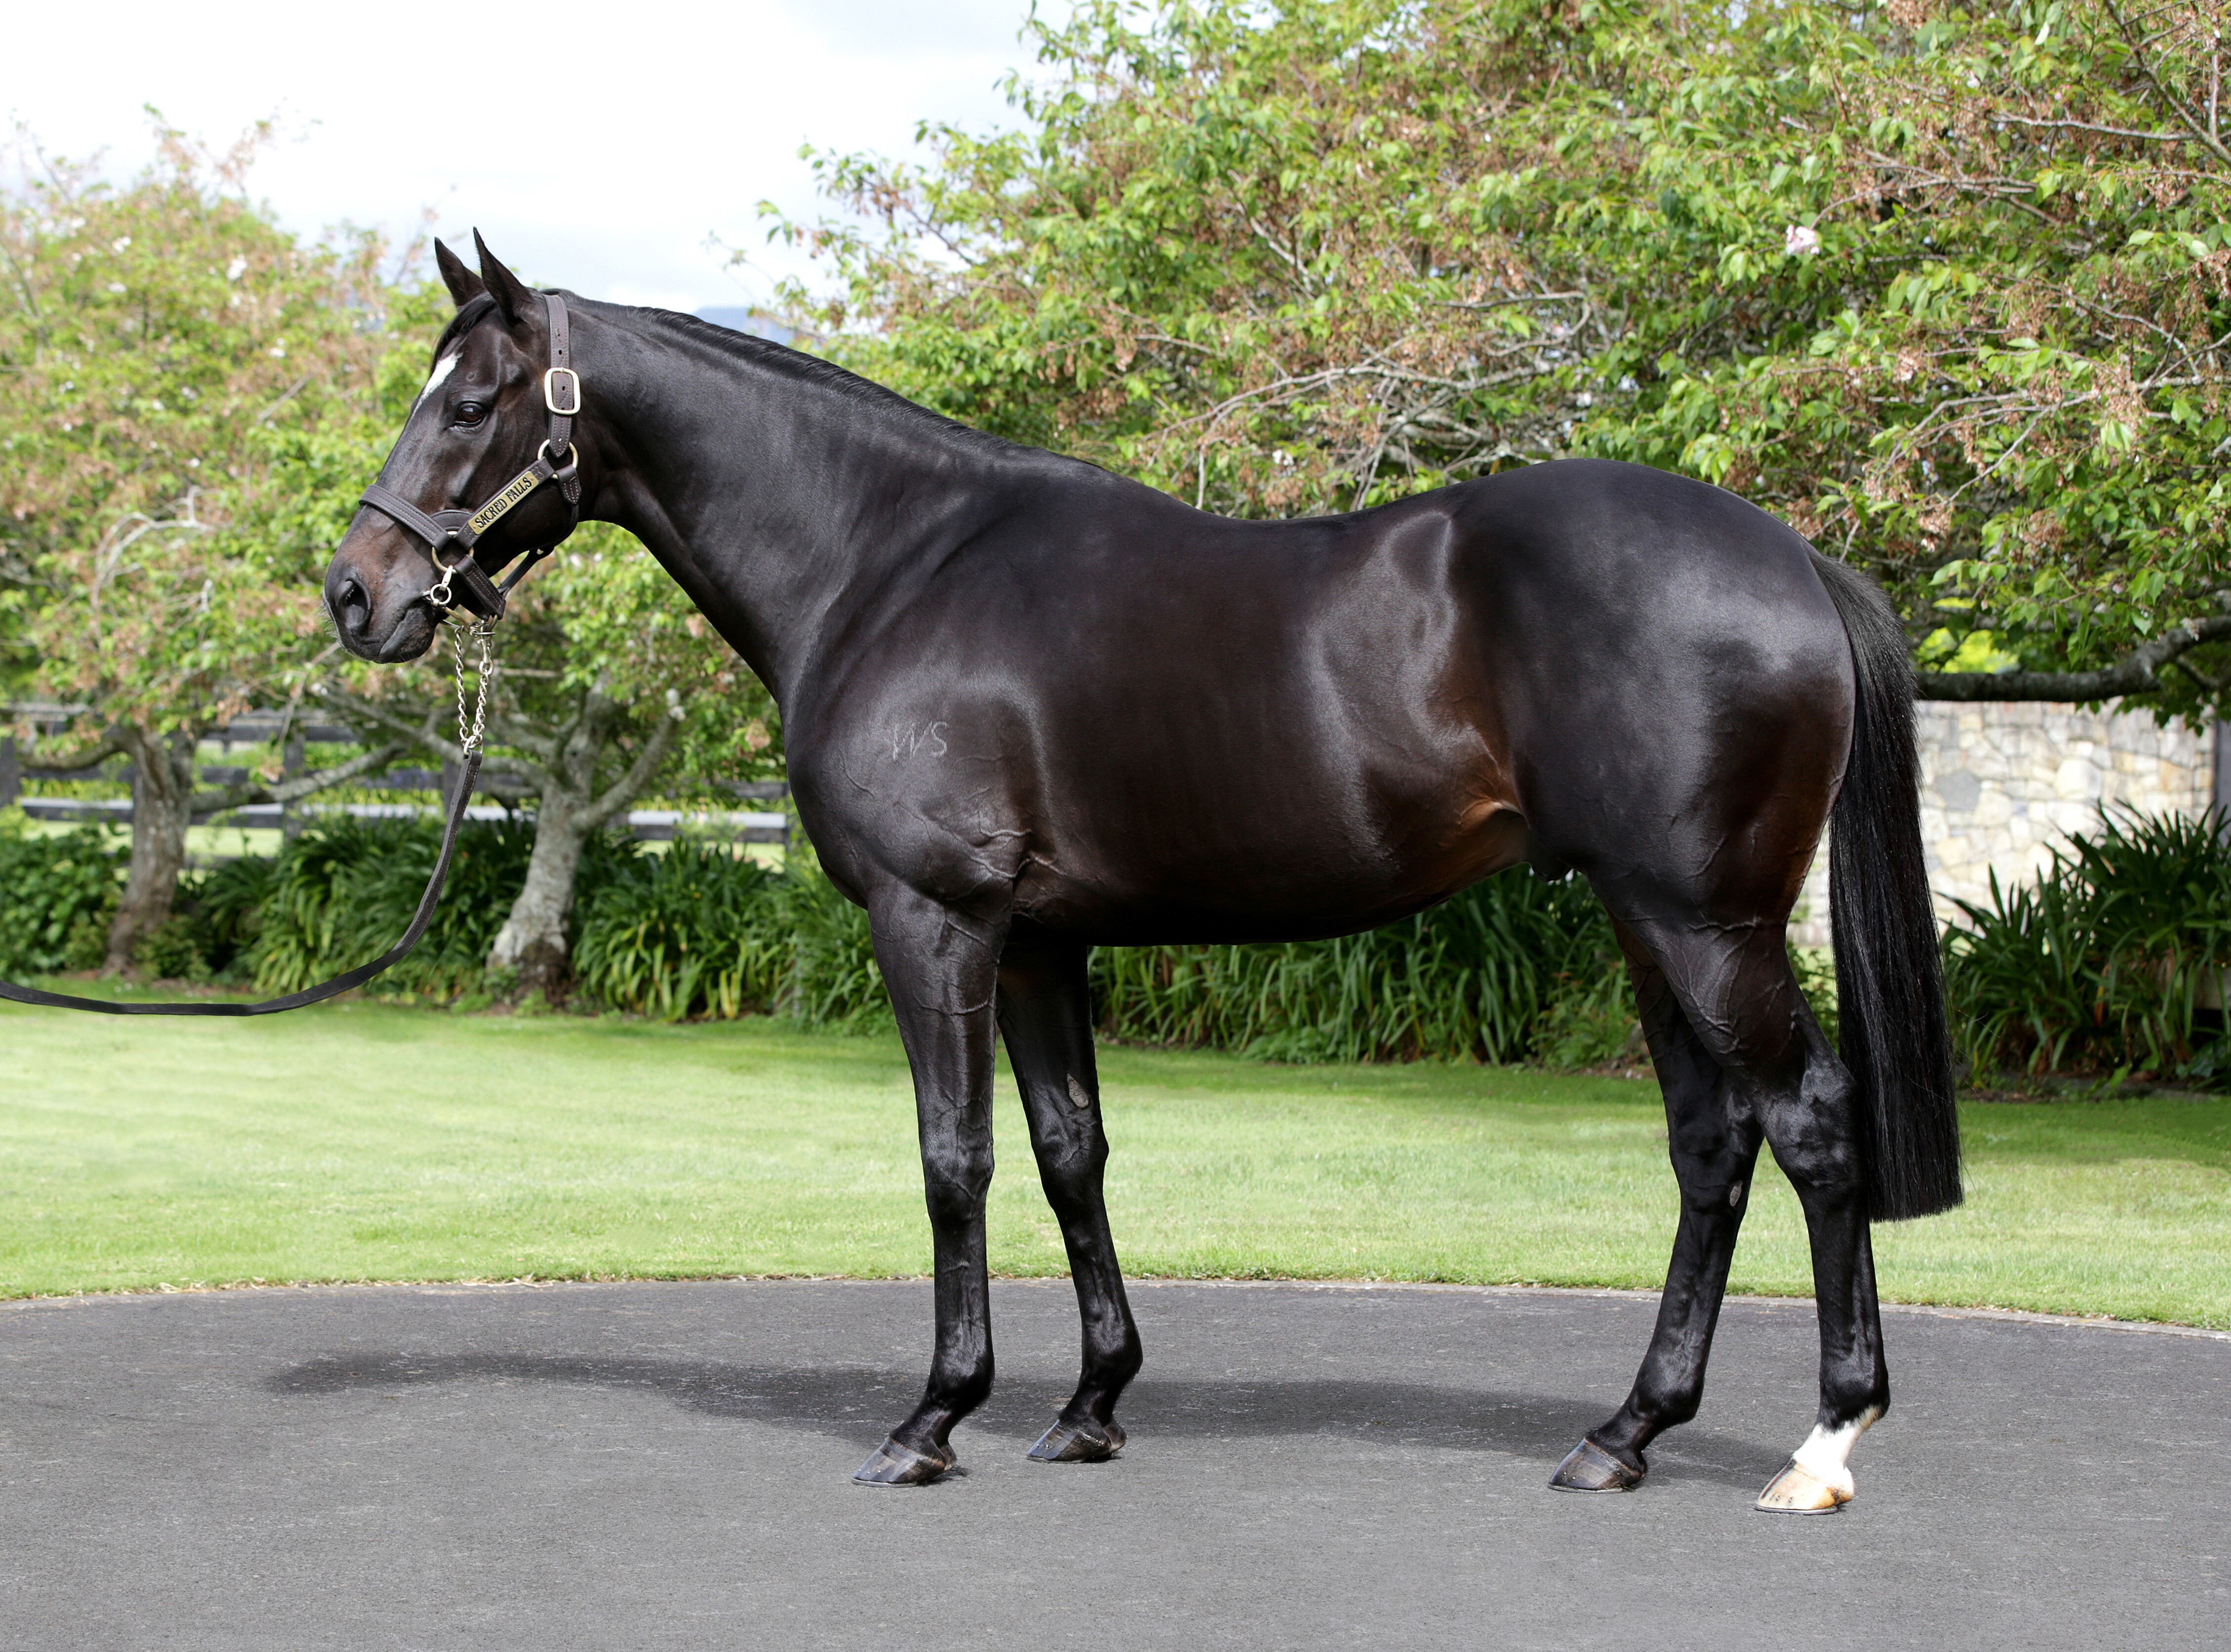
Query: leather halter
[(475, 591)]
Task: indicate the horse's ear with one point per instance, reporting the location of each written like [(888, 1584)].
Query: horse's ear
[(464, 286), (513, 296)]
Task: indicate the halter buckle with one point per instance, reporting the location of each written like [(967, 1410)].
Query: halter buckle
[(561, 391)]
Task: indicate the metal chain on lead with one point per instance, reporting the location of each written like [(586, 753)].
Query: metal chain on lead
[(469, 729)]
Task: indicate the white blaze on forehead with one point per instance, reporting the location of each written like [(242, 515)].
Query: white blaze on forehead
[(443, 368)]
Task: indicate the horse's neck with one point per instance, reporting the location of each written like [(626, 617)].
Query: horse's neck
[(773, 497)]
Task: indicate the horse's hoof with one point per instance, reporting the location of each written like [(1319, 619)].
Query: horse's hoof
[(897, 1465), (1796, 1490), (1589, 1468), (1085, 1442)]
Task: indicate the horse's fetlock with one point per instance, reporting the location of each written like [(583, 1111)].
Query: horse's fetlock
[(1116, 1366), (1667, 1407), (1845, 1400)]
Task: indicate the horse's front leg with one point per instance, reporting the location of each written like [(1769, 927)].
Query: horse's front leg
[(940, 966), (1046, 1016)]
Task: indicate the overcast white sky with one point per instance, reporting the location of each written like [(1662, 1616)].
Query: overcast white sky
[(597, 146)]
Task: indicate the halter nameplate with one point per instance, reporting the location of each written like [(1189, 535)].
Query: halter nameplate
[(515, 490)]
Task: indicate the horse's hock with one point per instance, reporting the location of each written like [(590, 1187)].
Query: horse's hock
[(2002, 783)]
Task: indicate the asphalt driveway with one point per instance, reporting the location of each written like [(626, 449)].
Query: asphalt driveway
[(662, 1466)]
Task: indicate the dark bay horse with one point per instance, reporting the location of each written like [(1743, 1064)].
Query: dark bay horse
[(1033, 707)]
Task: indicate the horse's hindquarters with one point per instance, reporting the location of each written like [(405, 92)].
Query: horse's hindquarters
[(1675, 686)]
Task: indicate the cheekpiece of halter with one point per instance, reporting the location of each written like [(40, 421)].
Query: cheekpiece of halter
[(464, 583)]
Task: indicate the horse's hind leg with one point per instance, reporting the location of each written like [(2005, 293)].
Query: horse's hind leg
[(1046, 1013), (1822, 1166), (1732, 982), (1714, 1147)]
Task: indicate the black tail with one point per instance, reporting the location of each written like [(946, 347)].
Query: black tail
[(1890, 983)]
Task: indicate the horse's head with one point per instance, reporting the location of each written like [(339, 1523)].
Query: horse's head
[(486, 418)]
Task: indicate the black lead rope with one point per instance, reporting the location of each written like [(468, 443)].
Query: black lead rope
[(324, 990), (561, 397)]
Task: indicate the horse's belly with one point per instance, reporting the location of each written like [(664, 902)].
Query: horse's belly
[(1185, 879)]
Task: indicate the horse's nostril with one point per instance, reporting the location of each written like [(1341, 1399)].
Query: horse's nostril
[(351, 606)]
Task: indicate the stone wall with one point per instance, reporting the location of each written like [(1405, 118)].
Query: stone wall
[(2002, 783)]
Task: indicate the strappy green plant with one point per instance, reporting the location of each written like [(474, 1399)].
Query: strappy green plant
[(1470, 979), (346, 890), (696, 931), (2113, 958)]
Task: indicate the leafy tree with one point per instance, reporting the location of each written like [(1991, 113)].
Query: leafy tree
[(184, 383), (1948, 288)]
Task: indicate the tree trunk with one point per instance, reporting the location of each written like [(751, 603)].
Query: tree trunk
[(293, 759), (161, 807), (533, 939)]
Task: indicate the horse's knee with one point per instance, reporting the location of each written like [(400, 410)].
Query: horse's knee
[(956, 1192), (1713, 1157), (1715, 1183), (1072, 1173)]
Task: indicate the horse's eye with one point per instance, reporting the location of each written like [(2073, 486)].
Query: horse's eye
[(469, 414)]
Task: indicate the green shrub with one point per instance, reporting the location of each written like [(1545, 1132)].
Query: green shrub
[(1588, 1023), (1513, 969), (697, 931), (2113, 959), (835, 982), (213, 921), (344, 890), (226, 905), (170, 951), (57, 894), (1815, 970), (1470, 979), (701, 931)]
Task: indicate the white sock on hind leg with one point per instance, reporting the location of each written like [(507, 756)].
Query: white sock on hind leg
[(1827, 1453)]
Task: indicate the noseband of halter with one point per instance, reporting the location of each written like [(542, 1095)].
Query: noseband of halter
[(476, 592)]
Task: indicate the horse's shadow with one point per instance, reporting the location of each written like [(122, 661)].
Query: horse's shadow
[(855, 1403)]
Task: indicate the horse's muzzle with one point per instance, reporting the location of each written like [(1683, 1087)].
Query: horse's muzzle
[(376, 602)]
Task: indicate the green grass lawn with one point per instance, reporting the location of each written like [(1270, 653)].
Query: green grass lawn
[(358, 1141)]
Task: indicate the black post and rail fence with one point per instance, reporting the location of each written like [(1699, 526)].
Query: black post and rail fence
[(770, 823)]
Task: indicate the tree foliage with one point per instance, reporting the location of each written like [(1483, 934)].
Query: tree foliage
[(185, 384), (1947, 287), (628, 626)]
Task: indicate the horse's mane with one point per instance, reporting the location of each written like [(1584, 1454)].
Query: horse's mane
[(766, 354), (796, 364)]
